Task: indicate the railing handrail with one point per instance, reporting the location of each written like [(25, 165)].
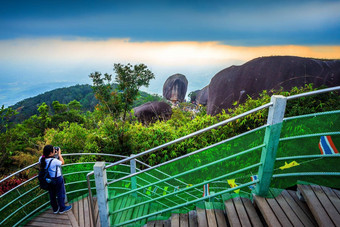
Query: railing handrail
[(316, 92), (221, 124), (67, 154), (191, 134), (186, 155)]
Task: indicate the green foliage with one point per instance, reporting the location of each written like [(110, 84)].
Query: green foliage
[(192, 95), (5, 115), (95, 131), (116, 100)]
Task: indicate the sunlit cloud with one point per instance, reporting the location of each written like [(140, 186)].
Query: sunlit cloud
[(156, 53), (26, 63)]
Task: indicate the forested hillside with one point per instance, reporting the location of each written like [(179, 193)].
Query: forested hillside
[(81, 93)]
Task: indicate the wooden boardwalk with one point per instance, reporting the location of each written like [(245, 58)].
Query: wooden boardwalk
[(319, 206), (79, 216), (48, 218)]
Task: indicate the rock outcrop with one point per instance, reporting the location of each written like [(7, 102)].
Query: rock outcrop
[(267, 73), (202, 96), (175, 88), (152, 111)]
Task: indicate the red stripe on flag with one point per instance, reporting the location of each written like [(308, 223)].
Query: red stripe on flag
[(330, 141), (321, 148)]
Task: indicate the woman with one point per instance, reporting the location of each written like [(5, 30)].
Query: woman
[(55, 190)]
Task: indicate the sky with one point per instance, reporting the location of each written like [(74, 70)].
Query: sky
[(50, 44)]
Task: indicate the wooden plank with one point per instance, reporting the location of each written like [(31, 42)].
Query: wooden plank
[(145, 211), (159, 223), (332, 197), (301, 214), (167, 223), (75, 210), (128, 213), (175, 220), (252, 214), (231, 213), (279, 213), (293, 218), (121, 205), (73, 220), (220, 218), (209, 209), (44, 224), (184, 220), (241, 212), (49, 215), (136, 209), (201, 217), (327, 204), (303, 206), (266, 211), (193, 218), (81, 213), (86, 212), (337, 192), (151, 224), (53, 221), (96, 211), (315, 206)]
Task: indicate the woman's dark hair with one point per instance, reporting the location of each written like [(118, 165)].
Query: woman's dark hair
[(47, 150)]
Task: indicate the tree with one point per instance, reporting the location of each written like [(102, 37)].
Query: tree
[(58, 107), (105, 93), (5, 115), (118, 99), (130, 79), (74, 105)]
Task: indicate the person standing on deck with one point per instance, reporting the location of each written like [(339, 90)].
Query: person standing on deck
[(56, 191)]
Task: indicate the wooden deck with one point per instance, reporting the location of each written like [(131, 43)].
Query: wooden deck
[(323, 202), (283, 208), (79, 216), (48, 218)]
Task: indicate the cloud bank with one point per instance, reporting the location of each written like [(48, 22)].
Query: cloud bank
[(30, 62)]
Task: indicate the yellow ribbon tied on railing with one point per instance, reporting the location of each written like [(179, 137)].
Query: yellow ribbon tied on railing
[(233, 185), (289, 165)]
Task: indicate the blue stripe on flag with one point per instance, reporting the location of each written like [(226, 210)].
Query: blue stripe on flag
[(325, 145)]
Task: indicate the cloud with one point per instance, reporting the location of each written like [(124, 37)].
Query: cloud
[(250, 23), (30, 62)]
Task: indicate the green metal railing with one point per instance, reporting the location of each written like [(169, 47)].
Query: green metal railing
[(178, 183), (19, 203), (271, 146)]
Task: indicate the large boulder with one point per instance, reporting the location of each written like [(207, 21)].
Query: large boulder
[(152, 111), (267, 73), (175, 88), (202, 96)]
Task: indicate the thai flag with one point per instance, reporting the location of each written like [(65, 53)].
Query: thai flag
[(327, 146), (206, 190), (254, 178)]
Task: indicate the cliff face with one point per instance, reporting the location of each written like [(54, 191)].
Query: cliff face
[(267, 73)]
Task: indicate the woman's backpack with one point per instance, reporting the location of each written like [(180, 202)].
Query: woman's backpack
[(44, 177)]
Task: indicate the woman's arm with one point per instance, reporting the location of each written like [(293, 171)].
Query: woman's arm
[(60, 157)]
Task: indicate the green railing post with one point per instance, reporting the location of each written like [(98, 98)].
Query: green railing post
[(102, 193), (271, 141), (133, 179)]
